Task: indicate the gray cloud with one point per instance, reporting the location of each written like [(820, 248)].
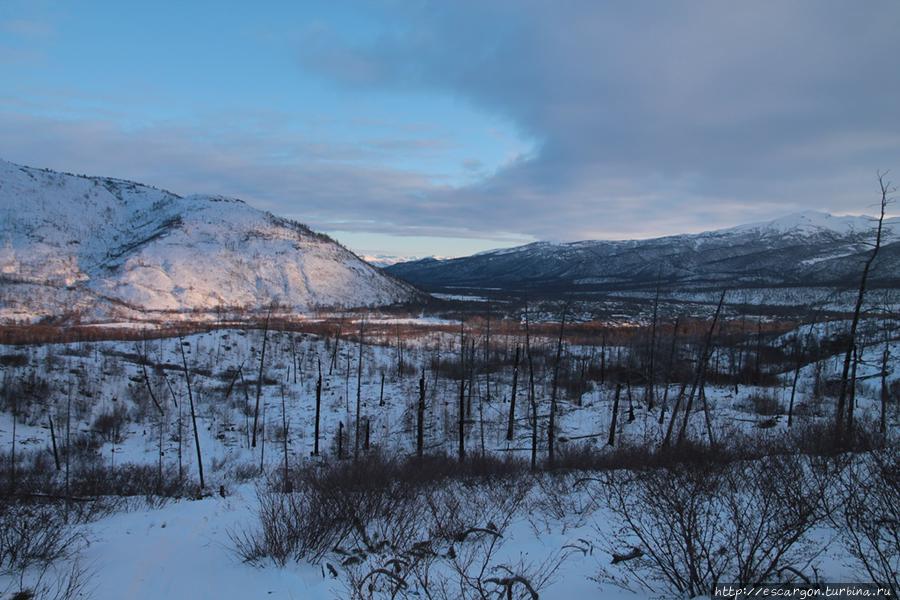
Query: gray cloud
[(648, 118), (654, 116)]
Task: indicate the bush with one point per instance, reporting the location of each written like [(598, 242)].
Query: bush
[(401, 529), (692, 527), (764, 404), (110, 425), (332, 503), (869, 515)]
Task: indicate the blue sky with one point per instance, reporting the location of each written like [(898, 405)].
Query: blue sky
[(422, 127)]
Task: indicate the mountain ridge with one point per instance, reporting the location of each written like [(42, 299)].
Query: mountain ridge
[(807, 248), (99, 247)]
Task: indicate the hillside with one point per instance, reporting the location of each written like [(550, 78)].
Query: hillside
[(99, 248), (807, 249)]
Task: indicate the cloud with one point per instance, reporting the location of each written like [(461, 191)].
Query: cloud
[(651, 117), (646, 118)]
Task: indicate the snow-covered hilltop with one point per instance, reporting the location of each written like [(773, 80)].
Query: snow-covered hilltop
[(810, 248), (101, 248)]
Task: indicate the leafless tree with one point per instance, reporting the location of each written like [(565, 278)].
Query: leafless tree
[(842, 433)]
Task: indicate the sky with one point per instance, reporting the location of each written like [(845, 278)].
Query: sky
[(423, 127)]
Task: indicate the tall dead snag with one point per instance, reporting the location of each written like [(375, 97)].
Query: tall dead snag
[(187, 380), (798, 364), (603, 358), (12, 454), (318, 409), (669, 429), (420, 418), (487, 356), (358, 389), (334, 350), (53, 441), (851, 403), (669, 366), (532, 400), (399, 352), (162, 416), (259, 377), (885, 356), (839, 433), (69, 448), (262, 449), (462, 391), (143, 360), (651, 373), (551, 421), (615, 417), (701, 369), (284, 431), (512, 398)]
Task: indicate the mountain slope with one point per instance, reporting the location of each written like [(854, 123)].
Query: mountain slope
[(805, 249), (102, 247)]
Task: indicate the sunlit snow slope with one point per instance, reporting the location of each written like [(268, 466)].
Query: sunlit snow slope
[(100, 248)]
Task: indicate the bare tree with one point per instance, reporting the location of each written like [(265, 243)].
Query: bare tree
[(420, 418), (512, 398), (839, 430), (615, 416), (260, 375), (551, 421), (358, 388), (187, 380), (462, 391), (318, 409)]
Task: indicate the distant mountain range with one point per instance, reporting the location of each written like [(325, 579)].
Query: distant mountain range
[(93, 248), (805, 249)]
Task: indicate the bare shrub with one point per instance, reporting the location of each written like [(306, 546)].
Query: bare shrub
[(401, 529), (690, 528), (32, 533), (765, 404), (869, 516), (110, 425)]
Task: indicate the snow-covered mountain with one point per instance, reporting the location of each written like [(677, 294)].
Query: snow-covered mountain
[(98, 248), (809, 248)]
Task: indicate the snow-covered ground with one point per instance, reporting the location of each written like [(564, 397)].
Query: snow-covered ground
[(184, 549)]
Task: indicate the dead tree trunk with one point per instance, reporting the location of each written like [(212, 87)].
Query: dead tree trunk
[(284, 432), (53, 441), (187, 380), (651, 374), (358, 390), (259, 378), (669, 366), (512, 398), (885, 355), (798, 362), (68, 448), (532, 400), (462, 392), (851, 403), (487, 357), (318, 409), (615, 417), (551, 421), (886, 190), (334, 351), (701, 368), (420, 418)]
